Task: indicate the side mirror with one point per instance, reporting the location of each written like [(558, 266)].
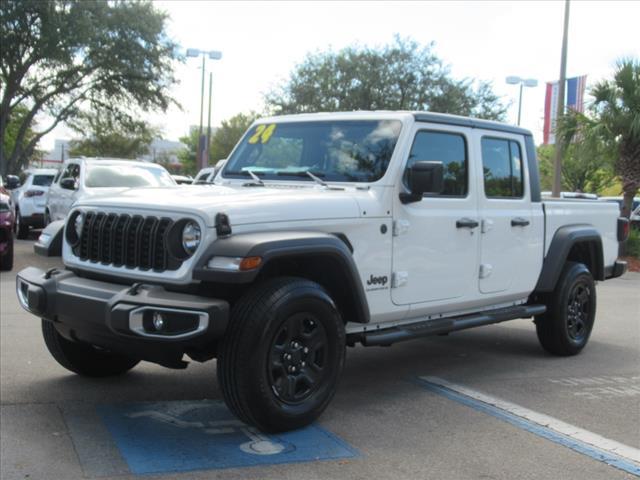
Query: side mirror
[(13, 182), (423, 177), (68, 183)]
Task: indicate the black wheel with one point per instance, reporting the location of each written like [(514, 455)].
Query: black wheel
[(6, 261), (82, 358), (282, 356), (47, 218), (22, 230), (571, 309)]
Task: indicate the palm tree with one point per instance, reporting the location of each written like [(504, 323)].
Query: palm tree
[(614, 119)]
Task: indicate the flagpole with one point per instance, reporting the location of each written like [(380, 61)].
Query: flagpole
[(557, 164)]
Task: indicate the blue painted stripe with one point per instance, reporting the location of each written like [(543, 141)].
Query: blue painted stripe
[(544, 432)]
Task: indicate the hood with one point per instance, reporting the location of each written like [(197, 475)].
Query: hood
[(243, 205)]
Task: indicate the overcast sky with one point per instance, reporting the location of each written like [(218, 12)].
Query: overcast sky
[(262, 42)]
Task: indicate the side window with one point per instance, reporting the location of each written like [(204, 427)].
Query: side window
[(502, 166), (68, 172), (451, 150)]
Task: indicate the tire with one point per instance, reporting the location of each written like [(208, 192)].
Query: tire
[(282, 317), (82, 358), (565, 327), (46, 219), (22, 230), (6, 261)]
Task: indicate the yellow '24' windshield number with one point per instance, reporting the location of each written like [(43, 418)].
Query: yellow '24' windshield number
[(263, 133)]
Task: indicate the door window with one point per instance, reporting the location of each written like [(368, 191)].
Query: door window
[(502, 167), (448, 148)]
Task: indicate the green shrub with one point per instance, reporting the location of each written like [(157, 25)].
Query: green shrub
[(633, 243)]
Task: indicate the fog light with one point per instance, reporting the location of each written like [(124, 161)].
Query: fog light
[(158, 321)]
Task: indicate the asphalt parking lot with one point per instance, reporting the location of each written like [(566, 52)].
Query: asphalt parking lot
[(428, 408)]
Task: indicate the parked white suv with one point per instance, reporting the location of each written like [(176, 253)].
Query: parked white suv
[(30, 199), (82, 178)]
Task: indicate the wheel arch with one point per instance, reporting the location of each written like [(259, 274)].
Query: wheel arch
[(576, 243), (324, 258)]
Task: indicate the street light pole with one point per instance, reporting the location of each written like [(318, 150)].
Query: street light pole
[(209, 122), (523, 82), (557, 163), (202, 147), (520, 104), (202, 95)]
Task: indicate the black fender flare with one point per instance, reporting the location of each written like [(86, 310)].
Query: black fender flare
[(49, 243), (271, 246), (563, 241)]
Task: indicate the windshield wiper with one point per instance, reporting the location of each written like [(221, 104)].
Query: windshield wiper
[(257, 181), (316, 179)]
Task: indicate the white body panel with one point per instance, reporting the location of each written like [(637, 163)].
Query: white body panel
[(441, 262)]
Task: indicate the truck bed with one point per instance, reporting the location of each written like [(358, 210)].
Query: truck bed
[(601, 215)]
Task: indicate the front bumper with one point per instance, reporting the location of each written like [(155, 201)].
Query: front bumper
[(142, 321)]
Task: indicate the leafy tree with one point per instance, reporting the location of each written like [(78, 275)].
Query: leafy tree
[(402, 75), (187, 156), (60, 56), (614, 120), (223, 140), (229, 133), (11, 133), (587, 166), (106, 135)]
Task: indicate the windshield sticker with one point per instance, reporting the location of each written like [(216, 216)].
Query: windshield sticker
[(263, 133)]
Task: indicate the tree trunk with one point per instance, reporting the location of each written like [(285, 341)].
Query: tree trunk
[(627, 202)]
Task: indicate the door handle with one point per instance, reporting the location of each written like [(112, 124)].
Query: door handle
[(467, 223), (519, 222)]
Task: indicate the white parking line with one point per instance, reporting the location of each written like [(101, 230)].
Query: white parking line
[(578, 439)]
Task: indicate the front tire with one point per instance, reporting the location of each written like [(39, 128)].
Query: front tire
[(6, 261), (565, 327), (82, 358), (282, 356)]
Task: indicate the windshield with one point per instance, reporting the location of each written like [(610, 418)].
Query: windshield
[(339, 151), (42, 180), (128, 176)]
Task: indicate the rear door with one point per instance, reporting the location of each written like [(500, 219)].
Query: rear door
[(509, 249)]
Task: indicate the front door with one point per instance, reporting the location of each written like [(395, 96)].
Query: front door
[(436, 240)]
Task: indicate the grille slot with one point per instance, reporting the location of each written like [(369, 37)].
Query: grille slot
[(125, 240)]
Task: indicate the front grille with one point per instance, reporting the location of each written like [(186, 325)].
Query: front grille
[(132, 241)]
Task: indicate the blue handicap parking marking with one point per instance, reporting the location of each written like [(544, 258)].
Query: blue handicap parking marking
[(200, 435)]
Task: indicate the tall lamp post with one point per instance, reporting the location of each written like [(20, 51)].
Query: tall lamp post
[(203, 148), (524, 82)]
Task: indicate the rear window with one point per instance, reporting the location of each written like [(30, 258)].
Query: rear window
[(42, 180)]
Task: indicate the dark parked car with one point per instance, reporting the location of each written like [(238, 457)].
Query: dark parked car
[(6, 233)]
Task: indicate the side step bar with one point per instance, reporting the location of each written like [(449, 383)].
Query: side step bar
[(439, 326)]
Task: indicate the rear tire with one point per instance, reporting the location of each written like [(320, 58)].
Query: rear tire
[(6, 261), (22, 230), (565, 327), (282, 356), (82, 358)]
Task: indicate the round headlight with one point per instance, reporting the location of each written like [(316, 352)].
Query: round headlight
[(191, 237), (78, 224)]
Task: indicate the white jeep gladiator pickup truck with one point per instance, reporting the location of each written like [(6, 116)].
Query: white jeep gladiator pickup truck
[(323, 231)]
